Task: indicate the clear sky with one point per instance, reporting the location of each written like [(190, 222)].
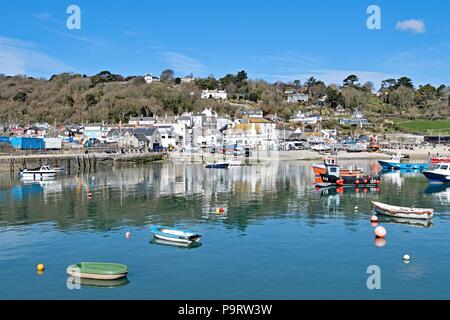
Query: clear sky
[(273, 40)]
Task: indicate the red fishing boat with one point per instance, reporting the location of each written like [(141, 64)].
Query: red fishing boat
[(438, 160)]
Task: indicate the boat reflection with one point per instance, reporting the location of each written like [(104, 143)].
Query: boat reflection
[(180, 245), (98, 283), (412, 222)]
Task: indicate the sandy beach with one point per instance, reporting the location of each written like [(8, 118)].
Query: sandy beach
[(419, 154)]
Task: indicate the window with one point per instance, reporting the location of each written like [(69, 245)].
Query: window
[(444, 167)]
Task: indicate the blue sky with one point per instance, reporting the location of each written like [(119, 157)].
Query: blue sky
[(272, 40)]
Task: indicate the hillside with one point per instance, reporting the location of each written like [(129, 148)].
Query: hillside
[(75, 98)]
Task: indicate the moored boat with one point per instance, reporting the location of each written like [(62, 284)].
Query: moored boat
[(98, 270), (234, 163), (438, 160), (402, 212), (395, 163), (334, 177), (217, 165), (356, 148), (321, 148), (441, 173), (176, 235), (319, 169), (41, 173)]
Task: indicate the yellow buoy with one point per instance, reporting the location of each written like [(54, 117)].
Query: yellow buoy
[(40, 267)]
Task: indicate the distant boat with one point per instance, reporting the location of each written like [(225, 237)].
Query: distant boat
[(402, 212), (41, 173), (217, 165), (234, 163), (441, 173), (394, 163), (176, 235), (98, 270), (57, 169), (321, 148), (438, 160), (356, 148)]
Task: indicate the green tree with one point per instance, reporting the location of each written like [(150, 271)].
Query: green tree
[(351, 80), (405, 82)]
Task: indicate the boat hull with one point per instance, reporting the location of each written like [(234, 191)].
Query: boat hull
[(436, 177), (351, 180), (402, 212), (37, 175), (217, 166), (402, 166), (174, 235), (99, 271)]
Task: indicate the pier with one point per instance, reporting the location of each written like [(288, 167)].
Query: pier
[(76, 162)]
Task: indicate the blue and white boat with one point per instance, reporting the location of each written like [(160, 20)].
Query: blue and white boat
[(175, 235), (395, 163), (217, 165), (441, 173)]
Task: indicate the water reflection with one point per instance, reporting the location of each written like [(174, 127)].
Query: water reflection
[(181, 245), (187, 194)]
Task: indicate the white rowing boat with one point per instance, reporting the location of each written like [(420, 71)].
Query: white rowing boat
[(402, 212)]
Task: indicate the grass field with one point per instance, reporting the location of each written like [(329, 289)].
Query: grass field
[(426, 126)]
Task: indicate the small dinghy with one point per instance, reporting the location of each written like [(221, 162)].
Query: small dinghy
[(176, 235), (98, 270), (402, 212)]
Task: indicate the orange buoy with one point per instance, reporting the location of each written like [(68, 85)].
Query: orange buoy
[(365, 181), (380, 232), (357, 181), (374, 218), (377, 181)]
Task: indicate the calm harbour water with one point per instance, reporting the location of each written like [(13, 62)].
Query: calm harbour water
[(280, 238)]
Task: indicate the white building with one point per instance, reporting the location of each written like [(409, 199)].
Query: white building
[(188, 79), (214, 94), (297, 97), (150, 78), (302, 118), (252, 113), (175, 134), (258, 134)]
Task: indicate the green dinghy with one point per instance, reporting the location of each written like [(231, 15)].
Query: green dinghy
[(98, 270)]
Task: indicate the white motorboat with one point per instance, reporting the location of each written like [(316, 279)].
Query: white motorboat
[(42, 173), (441, 173)]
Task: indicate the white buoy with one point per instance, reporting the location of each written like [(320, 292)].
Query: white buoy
[(374, 218), (128, 234), (406, 258)]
